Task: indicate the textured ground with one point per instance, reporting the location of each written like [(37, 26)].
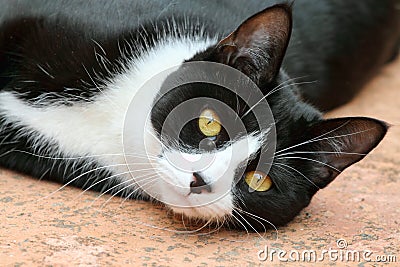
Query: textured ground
[(67, 228)]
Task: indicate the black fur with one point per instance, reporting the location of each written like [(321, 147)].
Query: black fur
[(338, 44), (338, 33), (70, 67)]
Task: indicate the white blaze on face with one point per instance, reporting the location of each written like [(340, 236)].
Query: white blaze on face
[(191, 157), (218, 170)]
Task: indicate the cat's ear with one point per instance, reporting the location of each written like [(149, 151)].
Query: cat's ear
[(258, 46), (336, 144)]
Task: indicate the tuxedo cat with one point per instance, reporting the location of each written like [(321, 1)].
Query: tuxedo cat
[(95, 94)]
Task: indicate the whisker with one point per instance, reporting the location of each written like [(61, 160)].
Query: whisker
[(294, 169), (100, 181), (188, 232), (90, 171), (317, 161), (287, 85), (85, 173), (134, 179), (245, 228), (276, 89), (110, 189), (255, 216), (322, 152), (183, 221), (151, 178), (161, 143), (141, 186), (238, 213), (317, 139), (83, 157), (265, 229)]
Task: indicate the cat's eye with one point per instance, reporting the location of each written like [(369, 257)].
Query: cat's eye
[(258, 181), (209, 123)]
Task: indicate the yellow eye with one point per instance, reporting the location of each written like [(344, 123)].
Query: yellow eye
[(209, 123), (258, 181)]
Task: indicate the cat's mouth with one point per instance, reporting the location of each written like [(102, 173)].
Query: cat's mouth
[(199, 200), (198, 195)]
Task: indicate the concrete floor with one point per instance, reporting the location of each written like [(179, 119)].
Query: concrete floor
[(67, 228)]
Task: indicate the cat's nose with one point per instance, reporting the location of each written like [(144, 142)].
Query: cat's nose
[(208, 144), (197, 185)]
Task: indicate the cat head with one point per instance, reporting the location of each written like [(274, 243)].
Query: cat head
[(212, 158)]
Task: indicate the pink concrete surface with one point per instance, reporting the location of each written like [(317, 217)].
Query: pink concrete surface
[(41, 226)]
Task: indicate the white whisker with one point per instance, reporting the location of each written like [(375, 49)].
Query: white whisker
[(287, 166), (82, 174), (313, 160), (255, 216), (262, 237), (85, 157), (186, 232), (317, 139), (244, 227), (100, 181), (276, 89), (119, 184), (148, 179), (141, 186), (321, 152)]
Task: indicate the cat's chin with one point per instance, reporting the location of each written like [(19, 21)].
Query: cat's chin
[(213, 211), (201, 213)]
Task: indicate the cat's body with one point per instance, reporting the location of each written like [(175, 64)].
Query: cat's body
[(332, 32), (70, 70)]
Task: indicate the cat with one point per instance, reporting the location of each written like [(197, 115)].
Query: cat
[(129, 98)]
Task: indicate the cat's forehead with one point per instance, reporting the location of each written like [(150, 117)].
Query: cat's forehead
[(204, 78), (211, 93), (213, 104)]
